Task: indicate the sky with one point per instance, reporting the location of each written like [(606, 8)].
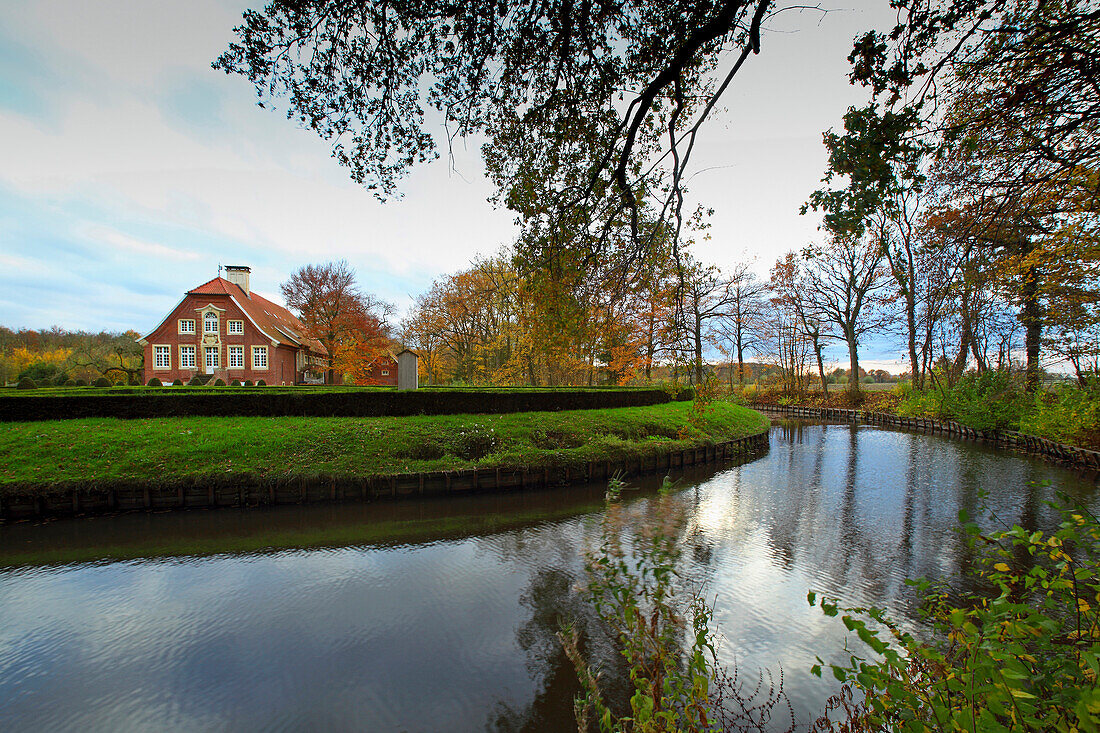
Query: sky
[(129, 169)]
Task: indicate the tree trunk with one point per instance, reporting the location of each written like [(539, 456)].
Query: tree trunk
[(1030, 317), (821, 371), (853, 356), (959, 364), (698, 336), (914, 360)]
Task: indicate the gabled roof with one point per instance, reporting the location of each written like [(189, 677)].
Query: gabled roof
[(274, 321)]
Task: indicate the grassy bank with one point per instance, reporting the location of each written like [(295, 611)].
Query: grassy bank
[(40, 454), (989, 401)]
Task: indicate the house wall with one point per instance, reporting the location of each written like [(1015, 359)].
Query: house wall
[(376, 377), (281, 359)]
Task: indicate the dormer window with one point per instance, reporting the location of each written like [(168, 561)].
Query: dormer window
[(210, 322)]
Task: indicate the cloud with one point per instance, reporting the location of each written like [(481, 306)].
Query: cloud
[(126, 138), (113, 238)]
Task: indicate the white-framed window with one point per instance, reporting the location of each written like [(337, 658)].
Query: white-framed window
[(259, 357), (385, 372), (187, 357), (236, 357), (187, 325), (234, 327), (210, 322), (211, 354), (162, 357)]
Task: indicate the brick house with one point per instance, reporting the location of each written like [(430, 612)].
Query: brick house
[(382, 371), (223, 329)]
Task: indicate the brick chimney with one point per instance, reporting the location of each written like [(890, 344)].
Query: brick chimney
[(238, 275)]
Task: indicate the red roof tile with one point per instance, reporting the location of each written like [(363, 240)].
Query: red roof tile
[(275, 321)]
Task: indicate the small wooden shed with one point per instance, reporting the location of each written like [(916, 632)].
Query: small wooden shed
[(408, 374)]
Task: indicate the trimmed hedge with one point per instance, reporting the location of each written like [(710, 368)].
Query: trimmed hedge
[(102, 382), (263, 403), (154, 382), (26, 383)]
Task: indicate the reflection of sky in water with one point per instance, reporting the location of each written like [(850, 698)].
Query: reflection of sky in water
[(458, 634)]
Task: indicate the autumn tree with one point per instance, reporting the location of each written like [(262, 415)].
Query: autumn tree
[(784, 343), (119, 357), (842, 287), (998, 99), (789, 282), (352, 326), (602, 101), (705, 298), (740, 324)]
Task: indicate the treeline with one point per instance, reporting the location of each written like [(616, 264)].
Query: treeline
[(952, 305), (55, 356), (961, 210)]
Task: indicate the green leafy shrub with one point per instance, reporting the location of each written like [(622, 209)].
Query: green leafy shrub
[(235, 383), (248, 383), (330, 402), (196, 381), (102, 382), (1022, 656), (154, 382), (219, 382), (177, 383), (1068, 414), (81, 383), (635, 586), (70, 383), (42, 372), (987, 401), (261, 383), (26, 383), (60, 379)]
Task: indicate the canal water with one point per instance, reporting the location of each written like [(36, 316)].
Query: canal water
[(442, 615)]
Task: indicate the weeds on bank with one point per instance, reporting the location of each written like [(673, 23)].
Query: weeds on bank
[(1023, 656), (664, 633)]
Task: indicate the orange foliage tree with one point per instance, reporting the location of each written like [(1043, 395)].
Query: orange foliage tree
[(350, 324)]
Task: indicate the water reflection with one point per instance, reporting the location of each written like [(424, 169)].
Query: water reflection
[(433, 616)]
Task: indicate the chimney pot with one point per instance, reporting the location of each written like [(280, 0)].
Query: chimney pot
[(238, 275)]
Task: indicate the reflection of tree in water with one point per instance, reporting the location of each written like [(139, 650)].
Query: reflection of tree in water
[(813, 516), (553, 598), (553, 552)]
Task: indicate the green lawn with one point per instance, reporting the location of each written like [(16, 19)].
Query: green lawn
[(38, 454)]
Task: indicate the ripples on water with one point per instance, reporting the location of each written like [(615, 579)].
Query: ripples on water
[(443, 618)]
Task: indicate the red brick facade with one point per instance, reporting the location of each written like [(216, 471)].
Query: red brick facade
[(382, 372), (223, 330)]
